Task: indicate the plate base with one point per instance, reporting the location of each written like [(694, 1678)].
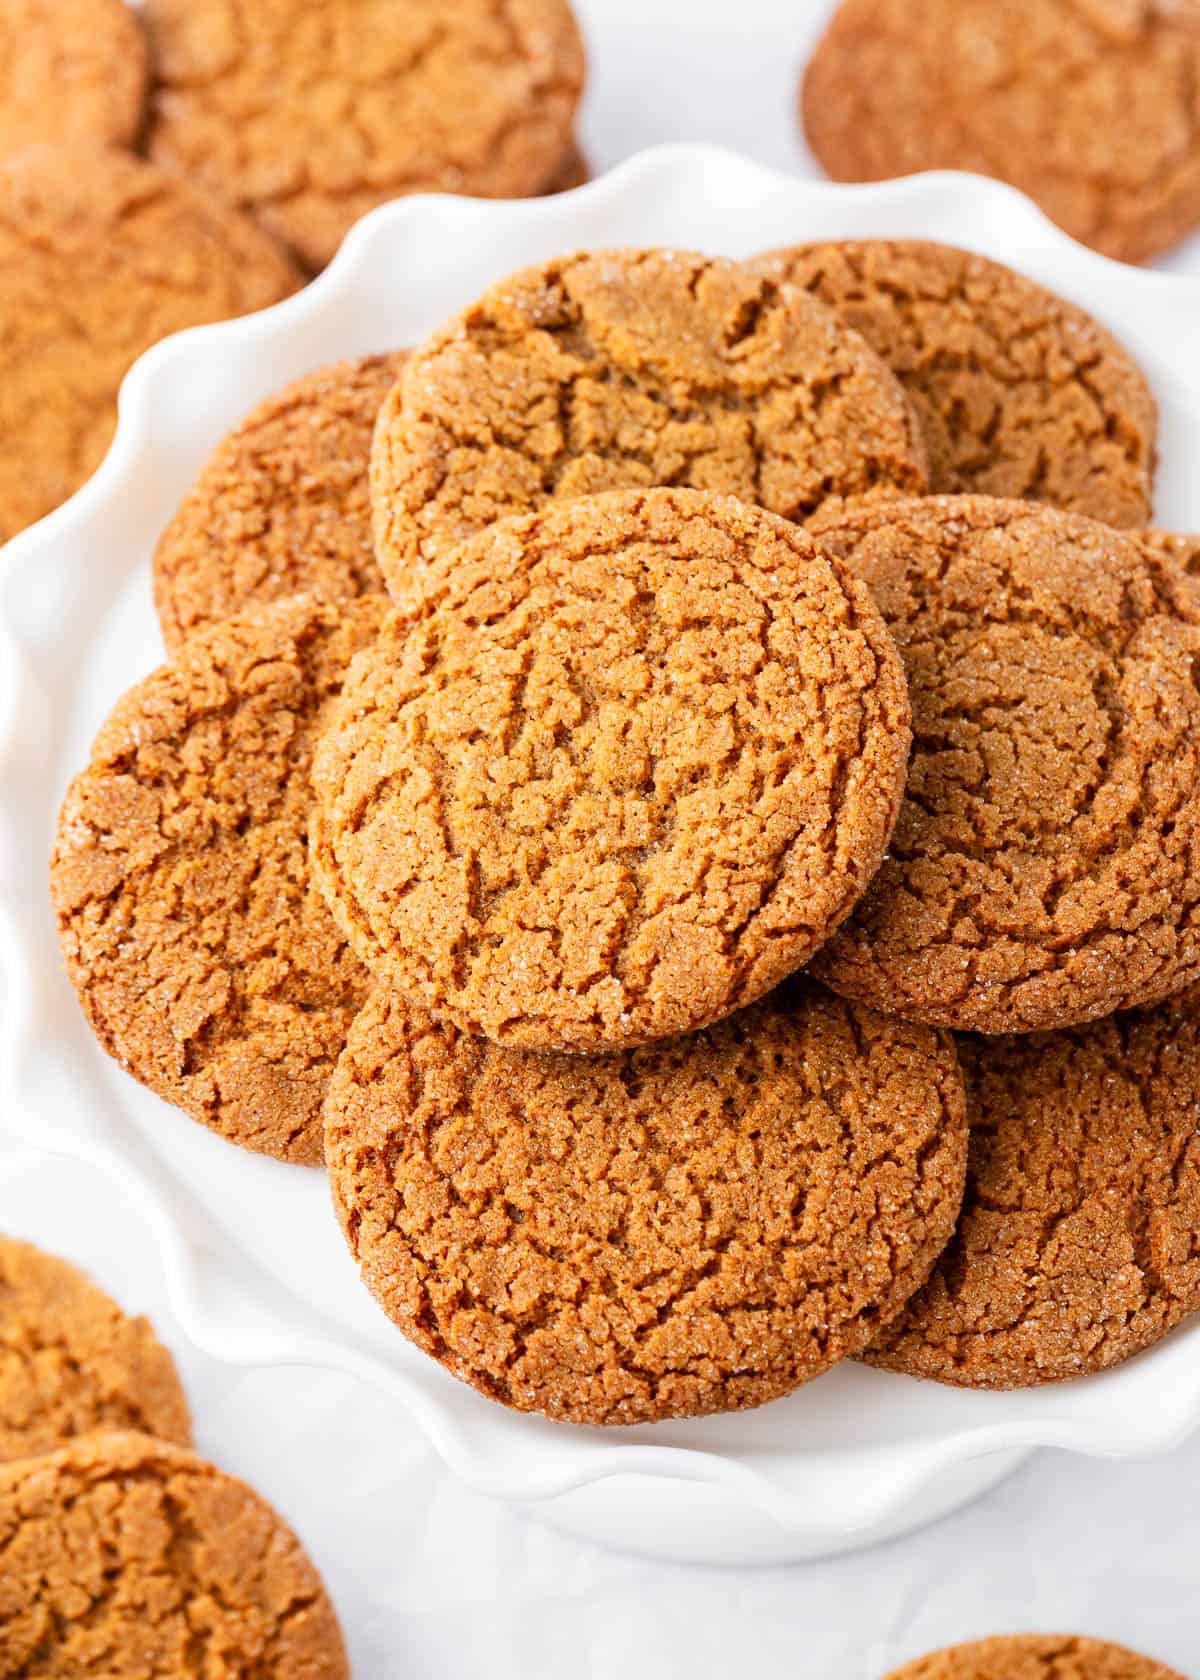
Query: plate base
[(692, 1522)]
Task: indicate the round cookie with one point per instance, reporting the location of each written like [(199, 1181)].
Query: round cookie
[(1077, 1242), (311, 115), (1090, 107), (1019, 393), (1043, 869), (282, 506), (126, 1557), (201, 949), (70, 70), (1034, 1656), (696, 1226), (632, 369), (157, 256), (71, 1361), (628, 764)]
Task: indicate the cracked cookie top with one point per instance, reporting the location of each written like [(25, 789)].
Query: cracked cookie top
[(282, 506), (1035, 1656), (1077, 1243), (632, 369), (696, 1226), (158, 256), (126, 1557), (626, 765), (1043, 867), (1089, 106), (73, 71), (71, 1361), (1018, 392), (311, 115), (200, 947)]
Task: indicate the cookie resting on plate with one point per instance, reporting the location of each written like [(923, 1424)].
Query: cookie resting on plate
[(627, 764), (198, 944), (697, 1226), (615, 370), (1044, 868)]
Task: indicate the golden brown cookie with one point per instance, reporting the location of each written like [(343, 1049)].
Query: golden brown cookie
[(625, 369), (201, 950), (1077, 1244), (310, 115), (70, 70), (157, 256), (1044, 869), (1034, 1656), (127, 1558), (696, 1226), (282, 507), (71, 1361), (628, 766), (1089, 106), (1019, 393)]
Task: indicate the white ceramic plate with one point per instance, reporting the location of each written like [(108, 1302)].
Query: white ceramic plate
[(255, 1264)]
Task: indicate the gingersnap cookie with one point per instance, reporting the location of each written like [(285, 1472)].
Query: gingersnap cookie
[(71, 1361), (1042, 871), (632, 369), (1034, 1656), (1018, 392), (126, 1557), (696, 1226), (1077, 1242), (309, 115), (70, 70), (201, 949), (156, 256), (1089, 106), (282, 507), (627, 766)]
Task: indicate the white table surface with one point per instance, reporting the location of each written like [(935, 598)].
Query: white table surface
[(436, 1583)]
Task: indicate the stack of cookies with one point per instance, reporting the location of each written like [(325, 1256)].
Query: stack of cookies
[(684, 792), (125, 1553), (266, 130)]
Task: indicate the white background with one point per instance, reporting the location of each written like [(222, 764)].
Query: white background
[(436, 1583)]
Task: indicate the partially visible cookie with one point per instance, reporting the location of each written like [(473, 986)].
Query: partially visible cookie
[(696, 1226), (1089, 106), (102, 256), (628, 764), (309, 116), (1077, 1243), (71, 1361), (70, 70), (1034, 1656), (200, 948), (1043, 870), (1182, 551), (632, 369), (573, 171), (1019, 393), (282, 506), (126, 1557)]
